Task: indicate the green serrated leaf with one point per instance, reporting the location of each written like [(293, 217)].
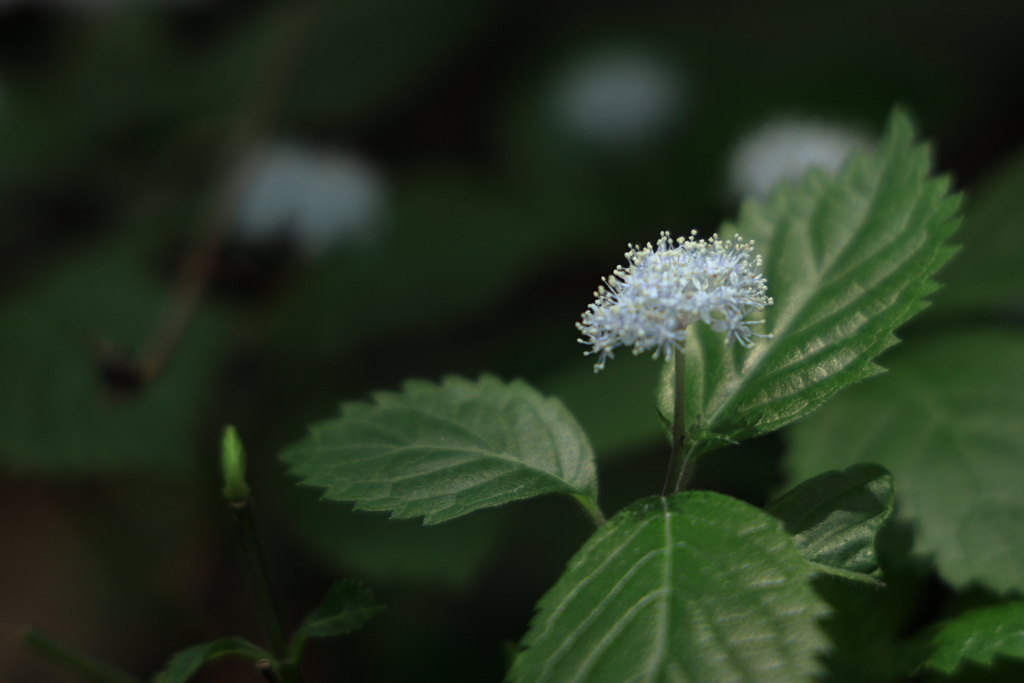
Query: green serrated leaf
[(835, 516), (978, 635), (946, 420), (848, 259), (444, 451), (186, 663), (347, 606), (694, 587)]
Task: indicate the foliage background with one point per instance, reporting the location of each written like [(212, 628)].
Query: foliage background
[(497, 224)]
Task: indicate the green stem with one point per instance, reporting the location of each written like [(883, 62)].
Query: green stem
[(592, 508), (86, 664), (264, 597), (680, 467), (266, 667)]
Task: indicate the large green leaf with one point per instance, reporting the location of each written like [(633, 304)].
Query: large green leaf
[(58, 413), (978, 635), (835, 516), (444, 451), (847, 259), (186, 663), (946, 420), (695, 587)]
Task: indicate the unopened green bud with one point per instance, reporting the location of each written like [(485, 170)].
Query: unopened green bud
[(232, 460)]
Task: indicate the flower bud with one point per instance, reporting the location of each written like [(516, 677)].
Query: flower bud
[(232, 460)]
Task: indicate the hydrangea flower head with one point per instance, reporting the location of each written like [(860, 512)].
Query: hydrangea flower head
[(650, 303)]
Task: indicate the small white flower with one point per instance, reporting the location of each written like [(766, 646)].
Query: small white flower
[(650, 303), (315, 196)]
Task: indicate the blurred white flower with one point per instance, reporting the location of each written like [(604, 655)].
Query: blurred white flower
[(620, 99), (650, 303), (786, 148), (317, 197)]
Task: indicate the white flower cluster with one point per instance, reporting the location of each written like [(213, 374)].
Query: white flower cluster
[(650, 303)]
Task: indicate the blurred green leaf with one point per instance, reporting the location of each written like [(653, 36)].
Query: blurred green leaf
[(835, 516), (868, 624), (978, 635), (132, 88), (186, 663), (66, 402), (136, 79), (389, 550), (444, 451), (1001, 670), (616, 408), (367, 53), (847, 259), (449, 245), (698, 586), (346, 607), (946, 420), (986, 272)]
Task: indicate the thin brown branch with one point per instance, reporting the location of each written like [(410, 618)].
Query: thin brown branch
[(248, 132)]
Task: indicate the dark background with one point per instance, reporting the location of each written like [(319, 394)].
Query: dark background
[(119, 124)]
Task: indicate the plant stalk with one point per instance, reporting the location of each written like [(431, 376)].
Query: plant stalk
[(86, 664), (213, 223), (680, 467), (266, 667), (593, 510), (264, 597)]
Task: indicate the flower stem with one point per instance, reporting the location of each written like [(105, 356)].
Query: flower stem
[(265, 599), (680, 467), (592, 508), (266, 667), (86, 664)]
